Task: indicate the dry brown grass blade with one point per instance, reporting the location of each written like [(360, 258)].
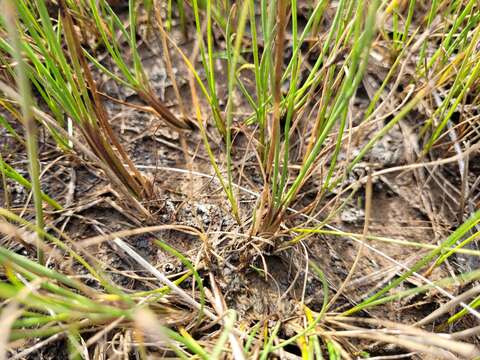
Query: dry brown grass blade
[(277, 91), (152, 100), (466, 334), (368, 208), (407, 342), (24, 353), (8, 316), (218, 302), (411, 337), (449, 306), (98, 139), (147, 326), (319, 117), (137, 231), (168, 61)]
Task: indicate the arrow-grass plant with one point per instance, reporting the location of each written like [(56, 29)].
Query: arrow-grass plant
[(281, 98), (133, 75), (58, 70), (277, 114)]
